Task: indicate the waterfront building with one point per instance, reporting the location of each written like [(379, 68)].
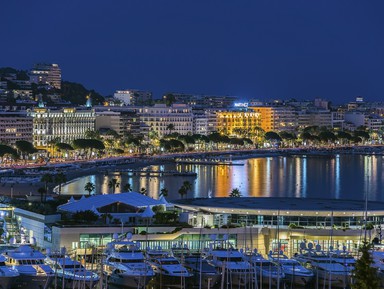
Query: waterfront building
[(65, 124), (15, 126), (203, 101), (159, 118), (370, 121), (314, 117), (43, 73), (276, 118), (233, 122), (134, 97), (121, 121)]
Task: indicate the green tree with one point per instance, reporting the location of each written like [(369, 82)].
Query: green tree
[(235, 193), (89, 187), (163, 192), (127, 187), (113, 184), (46, 179), (59, 179), (364, 275), (25, 147), (42, 191), (187, 186)]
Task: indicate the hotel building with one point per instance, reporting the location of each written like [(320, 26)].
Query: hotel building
[(228, 122), (159, 117), (276, 118), (65, 124), (134, 97)]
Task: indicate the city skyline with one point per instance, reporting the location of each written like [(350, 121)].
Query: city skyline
[(260, 50)]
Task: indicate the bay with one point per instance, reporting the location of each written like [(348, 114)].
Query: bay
[(306, 176)]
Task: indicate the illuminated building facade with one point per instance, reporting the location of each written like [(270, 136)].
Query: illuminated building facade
[(159, 118), (43, 73), (134, 97), (276, 118), (235, 122), (15, 126), (65, 124)]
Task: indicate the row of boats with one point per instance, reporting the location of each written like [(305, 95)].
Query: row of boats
[(125, 265)]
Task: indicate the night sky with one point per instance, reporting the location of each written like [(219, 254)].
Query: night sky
[(252, 49)]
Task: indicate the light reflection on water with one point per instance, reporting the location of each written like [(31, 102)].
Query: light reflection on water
[(336, 177)]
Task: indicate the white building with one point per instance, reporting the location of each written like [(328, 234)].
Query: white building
[(160, 116), (133, 96)]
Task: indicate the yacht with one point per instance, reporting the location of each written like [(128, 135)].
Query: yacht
[(231, 264), (294, 272), (70, 273), (170, 273), (29, 263), (327, 271), (265, 272), (343, 257), (125, 265), (8, 275), (204, 274)]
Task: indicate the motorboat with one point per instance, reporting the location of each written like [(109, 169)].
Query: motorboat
[(71, 273), (343, 257), (327, 271), (29, 263), (8, 275), (265, 272), (231, 264), (294, 272), (125, 265), (170, 273)]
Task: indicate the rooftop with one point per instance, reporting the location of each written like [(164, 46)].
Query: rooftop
[(282, 206)]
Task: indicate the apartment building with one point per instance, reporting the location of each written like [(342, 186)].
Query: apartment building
[(119, 120), (133, 97), (276, 118), (15, 126), (230, 122), (43, 73), (159, 117)]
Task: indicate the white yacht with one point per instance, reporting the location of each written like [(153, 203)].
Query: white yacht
[(170, 273), (231, 264), (265, 272), (29, 263), (205, 275), (8, 275), (327, 271), (294, 272), (125, 265), (70, 273)]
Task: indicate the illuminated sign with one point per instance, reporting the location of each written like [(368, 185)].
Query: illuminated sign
[(241, 104)]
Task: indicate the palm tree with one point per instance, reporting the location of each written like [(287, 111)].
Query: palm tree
[(143, 191), (60, 178), (113, 184), (182, 191), (127, 187), (187, 185), (46, 178), (163, 192), (42, 192), (235, 193), (89, 187)]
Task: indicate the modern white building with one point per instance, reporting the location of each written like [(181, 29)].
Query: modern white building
[(159, 117), (133, 96)]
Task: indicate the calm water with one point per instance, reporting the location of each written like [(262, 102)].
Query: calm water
[(338, 177)]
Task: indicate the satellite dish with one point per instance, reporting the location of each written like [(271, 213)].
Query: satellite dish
[(330, 248), (63, 250), (12, 240), (318, 248), (241, 250), (303, 246), (138, 245), (310, 246), (281, 252), (225, 237), (213, 237), (255, 251), (129, 236), (344, 248), (115, 236)]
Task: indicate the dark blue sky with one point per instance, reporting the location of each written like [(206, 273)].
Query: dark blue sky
[(253, 49)]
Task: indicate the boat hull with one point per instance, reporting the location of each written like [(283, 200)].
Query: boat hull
[(335, 280), (237, 279), (32, 281), (208, 281), (70, 283), (299, 280), (167, 281), (129, 281), (7, 282)]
